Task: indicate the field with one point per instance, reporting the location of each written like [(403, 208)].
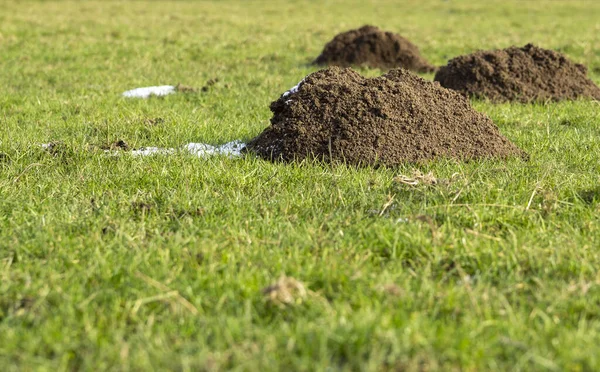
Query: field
[(152, 263)]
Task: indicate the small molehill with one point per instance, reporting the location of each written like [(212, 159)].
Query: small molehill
[(369, 46), (337, 115), (527, 74)]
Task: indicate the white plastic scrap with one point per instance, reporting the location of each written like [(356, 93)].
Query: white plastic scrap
[(145, 151), (146, 92), (231, 149), (201, 150), (294, 89)]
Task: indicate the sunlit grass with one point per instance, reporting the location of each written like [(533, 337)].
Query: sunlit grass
[(116, 262)]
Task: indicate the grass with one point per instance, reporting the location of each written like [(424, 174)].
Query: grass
[(165, 262)]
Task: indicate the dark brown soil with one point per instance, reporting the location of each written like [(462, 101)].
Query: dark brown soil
[(117, 145), (372, 47), (336, 115), (527, 74), (209, 84)]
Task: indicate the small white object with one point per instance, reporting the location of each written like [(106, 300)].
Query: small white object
[(46, 146), (146, 92), (294, 89), (467, 280), (200, 148), (146, 151)]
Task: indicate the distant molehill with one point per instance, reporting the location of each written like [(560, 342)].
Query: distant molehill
[(372, 47), (527, 74)]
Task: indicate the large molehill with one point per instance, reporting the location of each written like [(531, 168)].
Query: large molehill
[(337, 115)]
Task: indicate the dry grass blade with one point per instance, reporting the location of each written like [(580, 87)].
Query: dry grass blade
[(26, 170), (387, 204), (286, 291), (535, 190), (417, 178)]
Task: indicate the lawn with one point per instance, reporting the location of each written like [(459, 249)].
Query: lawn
[(161, 262)]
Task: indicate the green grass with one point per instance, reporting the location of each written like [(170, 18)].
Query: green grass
[(158, 263)]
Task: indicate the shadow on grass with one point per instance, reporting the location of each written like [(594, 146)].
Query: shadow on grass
[(590, 196)]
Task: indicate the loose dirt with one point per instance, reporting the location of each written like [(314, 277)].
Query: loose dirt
[(372, 47), (337, 115), (527, 74), (117, 145)]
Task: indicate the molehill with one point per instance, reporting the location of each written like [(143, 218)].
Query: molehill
[(337, 115), (369, 46), (527, 74)]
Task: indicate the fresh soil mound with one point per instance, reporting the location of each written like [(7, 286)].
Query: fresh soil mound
[(526, 74), (337, 115), (372, 47)]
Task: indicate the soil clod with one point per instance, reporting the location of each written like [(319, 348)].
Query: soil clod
[(527, 74), (209, 84), (151, 122), (337, 115), (117, 145), (369, 46), (184, 88), (139, 207)]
